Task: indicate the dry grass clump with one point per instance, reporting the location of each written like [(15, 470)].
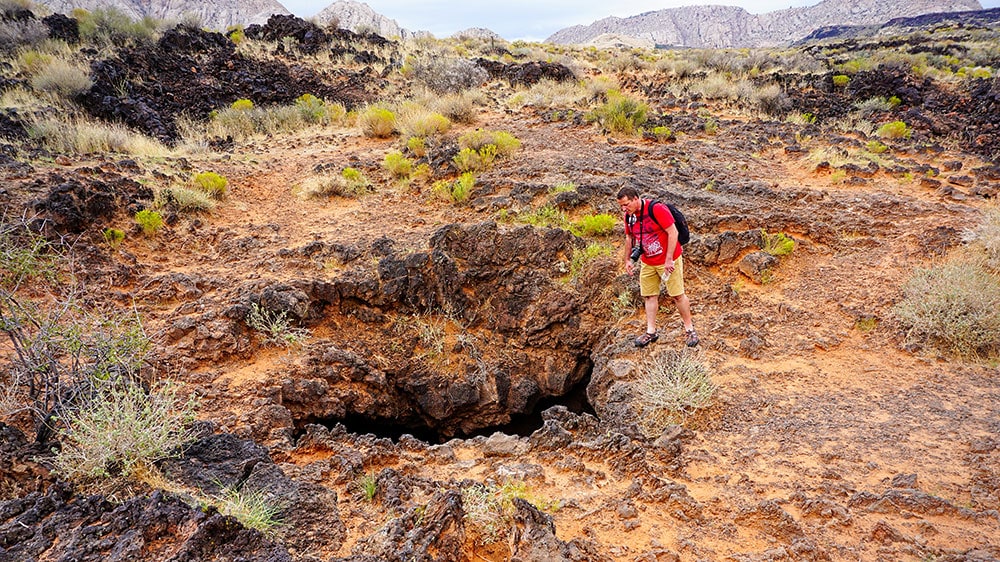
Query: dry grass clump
[(62, 77), (121, 429), (550, 93), (621, 114), (448, 74), (985, 239), (671, 387), (377, 121), (81, 136), (185, 199), (20, 34), (415, 120), (955, 307)]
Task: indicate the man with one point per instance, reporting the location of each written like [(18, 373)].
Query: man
[(660, 259)]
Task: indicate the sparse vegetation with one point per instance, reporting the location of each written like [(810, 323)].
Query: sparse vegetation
[(595, 225), (671, 387), (777, 244), (255, 509), (378, 122), (149, 221), (113, 236), (447, 74), (121, 428), (954, 306), (582, 257), (621, 114), (275, 327), (457, 191), (489, 508), (211, 183), (397, 165), (894, 130)]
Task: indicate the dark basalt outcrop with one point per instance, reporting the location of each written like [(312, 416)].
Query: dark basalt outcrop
[(195, 72), (527, 73), (78, 200)]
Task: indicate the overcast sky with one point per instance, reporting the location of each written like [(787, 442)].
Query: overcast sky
[(529, 19)]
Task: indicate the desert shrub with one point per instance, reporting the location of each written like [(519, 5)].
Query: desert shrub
[(78, 135), (31, 61), (621, 114), (123, 429), (777, 244), (841, 80), (184, 199), (255, 509), (560, 94), (671, 387), (581, 257), (422, 123), (595, 225), (24, 254), (417, 146), (546, 216), (376, 121), (242, 105), (109, 27), (489, 509), (460, 107), (355, 181), (311, 108), (21, 34), (876, 147), (894, 130), (954, 306), (562, 187), (275, 327), (444, 74), (662, 133), (772, 99), (506, 144), (871, 106), (211, 183), (64, 352), (716, 87), (113, 236), (468, 160), (368, 486), (985, 239), (456, 191), (150, 221), (61, 77), (398, 165)]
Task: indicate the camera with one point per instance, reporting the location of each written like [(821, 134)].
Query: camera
[(636, 252)]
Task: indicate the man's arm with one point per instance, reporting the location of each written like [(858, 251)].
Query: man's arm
[(671, 247), (626, 250)]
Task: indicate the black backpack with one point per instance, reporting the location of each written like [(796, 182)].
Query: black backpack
[(683, 234)]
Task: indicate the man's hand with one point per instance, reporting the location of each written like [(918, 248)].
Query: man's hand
[(668, 265), (629, 266)]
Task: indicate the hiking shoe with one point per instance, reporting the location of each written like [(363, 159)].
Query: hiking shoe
[(646, 339), (692, 338)]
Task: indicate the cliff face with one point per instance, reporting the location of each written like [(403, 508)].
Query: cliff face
[(214, 14), (358, 16), (727, 26)]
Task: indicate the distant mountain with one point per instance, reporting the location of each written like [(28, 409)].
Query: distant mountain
[(358, 16), (214, 14), (981, 18), (728, 26)]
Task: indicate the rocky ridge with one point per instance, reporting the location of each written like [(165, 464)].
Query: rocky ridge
[(728, 26), (215, 14), (360, 18)]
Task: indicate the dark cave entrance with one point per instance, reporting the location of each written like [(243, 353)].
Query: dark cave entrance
[(520, 424)]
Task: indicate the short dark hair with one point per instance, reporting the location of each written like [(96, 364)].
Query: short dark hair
[(627, 192)]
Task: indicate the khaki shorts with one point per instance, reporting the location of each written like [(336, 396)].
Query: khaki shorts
[(650, 275)]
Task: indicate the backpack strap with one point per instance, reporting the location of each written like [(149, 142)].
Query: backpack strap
[(649, 211)]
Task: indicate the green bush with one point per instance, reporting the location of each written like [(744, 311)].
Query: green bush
[(595, 225), (110, 27), (311, 108), (546, 216), (150, 221), (123, 429), (841, 80), (242, 105), (621, 114), (777, 244), (417, 146), (184, 199), (252, 508), (671, 387), (113, 236), (211, 183), (456, 191), (894, 130), (581, 258), (954, 306), (505, 144), (398, 165), (378, 122), (876, 147), (662, 133)]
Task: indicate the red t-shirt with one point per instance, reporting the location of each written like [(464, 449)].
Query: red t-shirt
[(652, 237)]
